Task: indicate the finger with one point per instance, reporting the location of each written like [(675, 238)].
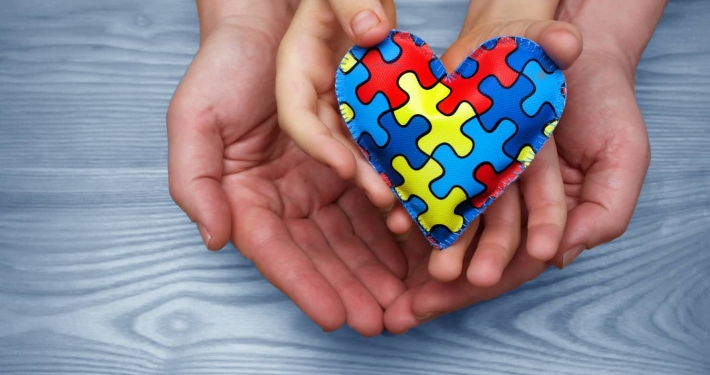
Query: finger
[(363, 313), (544, 194), (398, 220), (299, 79), (499, 240), (446, 265), (195, 170), (436, 298), (305, 128), (609, 194), (374, 275), (369, 226), (365, 176), (398, 317), (364, 21), (560, 40), (262, 237), (417, 251)]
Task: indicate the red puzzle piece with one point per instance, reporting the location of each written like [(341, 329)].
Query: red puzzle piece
[(486, 175), (413, 59), (467, 88)]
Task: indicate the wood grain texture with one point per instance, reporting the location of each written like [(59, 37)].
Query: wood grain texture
[(100, 272)]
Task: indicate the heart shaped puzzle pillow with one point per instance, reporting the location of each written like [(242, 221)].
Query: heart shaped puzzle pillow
[(448, 145)]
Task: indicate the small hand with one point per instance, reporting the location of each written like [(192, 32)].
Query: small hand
[(311, 234), (308, 108)]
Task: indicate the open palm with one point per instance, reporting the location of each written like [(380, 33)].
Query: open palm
[(603, 150), (311, 234)]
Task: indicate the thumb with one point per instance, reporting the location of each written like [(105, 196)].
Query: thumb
[(194, 171), (561, 41), (366, 22)]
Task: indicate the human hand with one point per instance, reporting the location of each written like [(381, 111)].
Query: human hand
[(603, 151), (308, 57), (311, 234), (505, 256), (602, 141), (541, 184)]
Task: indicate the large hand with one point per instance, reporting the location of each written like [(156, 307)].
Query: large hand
[(603, 150), (311, 234), (496, 263)]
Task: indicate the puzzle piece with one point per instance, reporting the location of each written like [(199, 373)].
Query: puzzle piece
[(444, 129), (402, 141), (530, 129), (495, 182), (544, 84), (356, 75), (413, 58), (482, 63), (529, 51), (388, 50), (416, 183), (448, 146), (487, 147)]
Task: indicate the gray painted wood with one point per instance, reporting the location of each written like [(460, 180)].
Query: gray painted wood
[(100, 273)]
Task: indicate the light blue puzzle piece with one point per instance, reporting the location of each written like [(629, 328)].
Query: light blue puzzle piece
[(346, 86), (389, 50), (545, 85), (487, 147)]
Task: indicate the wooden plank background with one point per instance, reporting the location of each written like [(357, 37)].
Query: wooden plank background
[(100, 272)]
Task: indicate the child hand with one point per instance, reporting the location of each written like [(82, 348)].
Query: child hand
[(309, 55)]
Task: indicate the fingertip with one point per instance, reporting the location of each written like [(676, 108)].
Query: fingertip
[(398, 221), (483, 274), (445, 265), (365, 324), (331, 314), (338, 158), (379, 194), (543, 241), (369, 27), (562, 41), (398, 317)]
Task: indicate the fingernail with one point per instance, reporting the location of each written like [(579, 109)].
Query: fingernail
[(364, 21), (571, 254), (427, 316), (206, 236)]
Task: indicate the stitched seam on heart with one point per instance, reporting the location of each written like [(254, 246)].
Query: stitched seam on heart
[(538, 141)]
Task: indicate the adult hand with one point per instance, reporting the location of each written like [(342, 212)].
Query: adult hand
[(602, 142), (603, 152), (310, 233)]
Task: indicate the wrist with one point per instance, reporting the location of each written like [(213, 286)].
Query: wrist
[(249, 13), (492, 12), (617, 29)]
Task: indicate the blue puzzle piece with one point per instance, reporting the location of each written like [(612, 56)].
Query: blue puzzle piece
[(468, 211), (530, 129), (377, 106), (389, 50), (441, 234), (402, 140), (437, 68), (487, 147), (467, 68), (545, 85), (529, 51)]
